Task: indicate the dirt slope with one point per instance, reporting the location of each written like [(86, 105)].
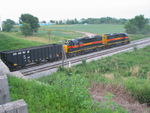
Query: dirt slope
[(121, 97)]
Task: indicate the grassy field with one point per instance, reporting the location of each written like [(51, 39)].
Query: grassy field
[(57, 34), (96, 29), (68, 90), (93, 28), (138, 36), (9, 42)]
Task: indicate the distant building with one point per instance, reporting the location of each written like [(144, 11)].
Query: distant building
[(45, 24), (85, 24)]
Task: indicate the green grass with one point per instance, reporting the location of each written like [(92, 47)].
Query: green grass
[(57, 36), (93, 28), (8, 42), (130, 70), (140, 88), (67, 95), (66, 91), (138, 36)]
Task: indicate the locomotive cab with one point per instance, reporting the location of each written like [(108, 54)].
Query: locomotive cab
[(104, 39), (67, 44)]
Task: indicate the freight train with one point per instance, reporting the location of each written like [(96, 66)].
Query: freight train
[(22, 58)]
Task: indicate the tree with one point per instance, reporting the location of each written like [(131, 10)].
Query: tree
[(26, 29), (32, 21), (60, 22), (8, 25), (131, 28), (139, 24), (52, 21), (43, 21)]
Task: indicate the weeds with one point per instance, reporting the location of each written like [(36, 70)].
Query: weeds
[(84, 62), (63, 95)]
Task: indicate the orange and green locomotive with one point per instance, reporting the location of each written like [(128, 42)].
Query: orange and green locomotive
[(85, 45)]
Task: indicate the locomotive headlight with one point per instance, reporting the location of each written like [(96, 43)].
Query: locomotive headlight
[(14, 64)]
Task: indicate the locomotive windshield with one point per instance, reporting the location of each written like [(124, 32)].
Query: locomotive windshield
[(69, 43)]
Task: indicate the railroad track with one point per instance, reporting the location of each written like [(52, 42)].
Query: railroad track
[(78, 59)]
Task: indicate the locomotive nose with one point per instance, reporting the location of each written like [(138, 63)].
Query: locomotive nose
[(65, 48)]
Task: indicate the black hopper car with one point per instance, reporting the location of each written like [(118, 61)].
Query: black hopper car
[(20, 58)]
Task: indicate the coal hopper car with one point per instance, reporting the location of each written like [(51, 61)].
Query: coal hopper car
[(21, 58)]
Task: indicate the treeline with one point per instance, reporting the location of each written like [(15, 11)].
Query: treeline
[(103, 20), (29, 24)]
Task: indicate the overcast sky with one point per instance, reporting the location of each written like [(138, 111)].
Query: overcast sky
[(68, 9)]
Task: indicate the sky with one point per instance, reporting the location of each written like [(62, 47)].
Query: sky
[(69, 9)]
